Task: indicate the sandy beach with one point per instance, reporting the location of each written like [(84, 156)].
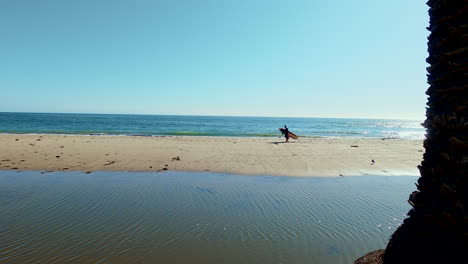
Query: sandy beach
[(252, 156)]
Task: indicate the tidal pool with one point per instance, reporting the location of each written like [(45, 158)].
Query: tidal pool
[(188, 217)]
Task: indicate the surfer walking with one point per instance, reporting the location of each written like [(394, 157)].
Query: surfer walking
[(286, 133)]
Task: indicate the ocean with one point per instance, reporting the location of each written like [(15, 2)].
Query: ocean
[(222, 126)]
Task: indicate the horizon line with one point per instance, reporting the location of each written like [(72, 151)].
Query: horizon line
[(29, 112)]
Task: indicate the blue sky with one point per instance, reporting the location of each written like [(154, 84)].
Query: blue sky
[(305, 58)]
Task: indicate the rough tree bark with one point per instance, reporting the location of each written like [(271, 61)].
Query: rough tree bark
[(436, 230)]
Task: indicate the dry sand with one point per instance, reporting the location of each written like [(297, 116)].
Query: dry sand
[(254, 156)]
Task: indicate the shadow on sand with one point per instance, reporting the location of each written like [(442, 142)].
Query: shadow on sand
[(280, 142)]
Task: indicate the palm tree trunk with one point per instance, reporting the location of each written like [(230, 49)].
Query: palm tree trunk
[(437, 228)]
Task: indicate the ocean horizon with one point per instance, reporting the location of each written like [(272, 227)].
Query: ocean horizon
[(214, 126)]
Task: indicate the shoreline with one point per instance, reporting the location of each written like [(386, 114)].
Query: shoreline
[(306, 157), (209, 136)]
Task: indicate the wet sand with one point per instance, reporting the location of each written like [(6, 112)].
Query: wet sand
[(252, 156)]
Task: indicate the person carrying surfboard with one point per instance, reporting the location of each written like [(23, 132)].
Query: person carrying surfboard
[(287, 134)]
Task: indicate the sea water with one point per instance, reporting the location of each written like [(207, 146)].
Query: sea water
[(166, 125), (181, 217)]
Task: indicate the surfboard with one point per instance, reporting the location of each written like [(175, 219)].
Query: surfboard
[(290, 134)]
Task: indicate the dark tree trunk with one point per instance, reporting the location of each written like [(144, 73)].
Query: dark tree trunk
[(437, 228)]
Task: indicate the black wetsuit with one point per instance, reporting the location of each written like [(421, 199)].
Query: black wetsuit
[(286, 132)]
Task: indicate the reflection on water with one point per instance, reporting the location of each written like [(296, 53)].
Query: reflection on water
[(177, 217)]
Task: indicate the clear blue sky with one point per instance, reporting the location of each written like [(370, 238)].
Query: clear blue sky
[(307, 58)]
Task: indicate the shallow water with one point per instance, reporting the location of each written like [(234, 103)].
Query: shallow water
[(181, 217)]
